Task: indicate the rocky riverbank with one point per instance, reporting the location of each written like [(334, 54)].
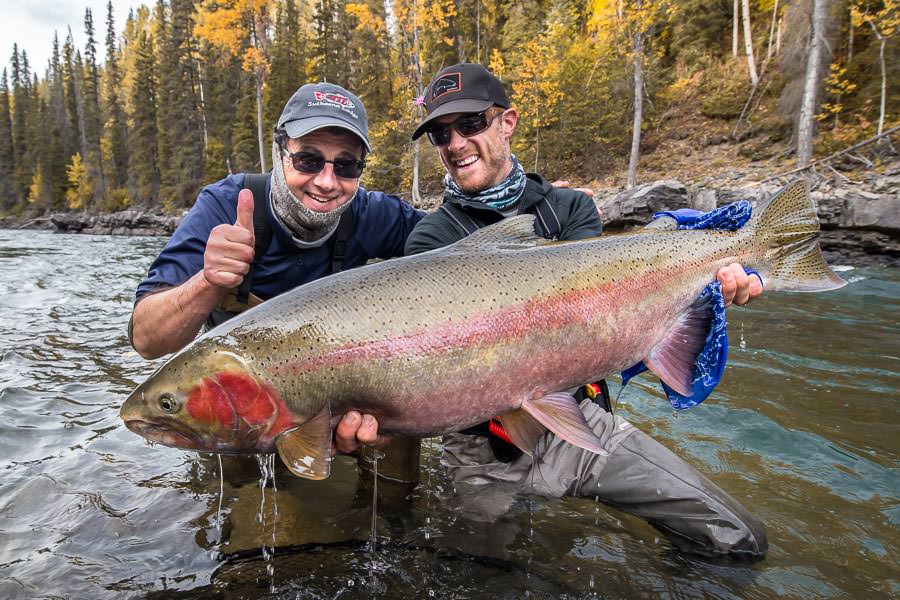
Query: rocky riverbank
[(860, 219)]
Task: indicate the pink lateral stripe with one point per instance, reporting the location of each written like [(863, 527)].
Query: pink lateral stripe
[(510, 323)]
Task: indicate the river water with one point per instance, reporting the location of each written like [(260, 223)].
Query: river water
[(803, 429)]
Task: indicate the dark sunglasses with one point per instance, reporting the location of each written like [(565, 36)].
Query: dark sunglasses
[(313, 162), (466, 126)]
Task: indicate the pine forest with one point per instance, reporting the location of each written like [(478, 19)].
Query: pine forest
[(188, 91)]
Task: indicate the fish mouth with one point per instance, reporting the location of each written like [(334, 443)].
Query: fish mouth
[(166, 434)]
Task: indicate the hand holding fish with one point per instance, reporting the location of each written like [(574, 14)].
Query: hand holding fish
[(229, 251), (354, 431), (738, 287)]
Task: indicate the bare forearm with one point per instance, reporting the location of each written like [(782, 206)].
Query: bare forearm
[(167, 321)]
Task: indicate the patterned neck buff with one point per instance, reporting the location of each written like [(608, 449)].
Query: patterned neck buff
[(502, 196), (305, 224)]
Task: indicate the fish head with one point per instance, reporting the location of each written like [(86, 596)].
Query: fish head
[(208, 398)]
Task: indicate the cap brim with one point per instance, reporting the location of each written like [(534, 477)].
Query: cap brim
[(454, 106), (300, 127)]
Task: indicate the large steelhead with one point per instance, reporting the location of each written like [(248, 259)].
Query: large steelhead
[(495, 324)]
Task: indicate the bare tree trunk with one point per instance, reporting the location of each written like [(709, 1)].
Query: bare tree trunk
[(883, 40), (778, 37), (850, 43), (638, 108), (478, 31), (259, 122), (772, 32), (748, 42), (812, 80), (537, 151), (734, 30), (417, 83), (202, 106)]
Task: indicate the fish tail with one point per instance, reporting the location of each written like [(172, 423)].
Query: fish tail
[(788, 228)]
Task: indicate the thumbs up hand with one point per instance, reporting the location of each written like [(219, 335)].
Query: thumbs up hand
[(229, 249)]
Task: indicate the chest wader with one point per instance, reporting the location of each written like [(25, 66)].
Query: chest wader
[(240, 299), (548, 227)]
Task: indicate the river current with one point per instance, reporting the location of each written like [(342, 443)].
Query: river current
[(803, 430)]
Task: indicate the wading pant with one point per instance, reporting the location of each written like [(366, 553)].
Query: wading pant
[(639, 476)]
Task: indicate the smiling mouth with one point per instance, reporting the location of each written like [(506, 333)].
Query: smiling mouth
[(466, 162), (318, 200)]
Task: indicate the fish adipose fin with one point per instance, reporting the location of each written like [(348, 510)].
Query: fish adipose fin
[(306, 450), (524, 431), (560, 413), (790, 227), (514, 232), (690, 359)]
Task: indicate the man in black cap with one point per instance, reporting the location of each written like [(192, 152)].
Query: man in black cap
[(470, 122), (309, 217)]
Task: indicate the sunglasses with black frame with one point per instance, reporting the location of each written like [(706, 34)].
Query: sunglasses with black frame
[(309, 162), (465, 125)]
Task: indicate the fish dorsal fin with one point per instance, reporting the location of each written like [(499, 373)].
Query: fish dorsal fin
[(513, 232), (673, 358), (524, 431), (559, 412), (306, 450)]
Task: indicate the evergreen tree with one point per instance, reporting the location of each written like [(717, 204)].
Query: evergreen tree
[(332, 29), (7, 153), (114, 133), (143, 170), (22, 150), (289, 51), (71, 73), (180, 128), (64, 144), (225, 86), (92, 118)]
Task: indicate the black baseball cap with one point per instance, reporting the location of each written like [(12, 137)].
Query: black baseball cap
[(462, 88), (318, 105)]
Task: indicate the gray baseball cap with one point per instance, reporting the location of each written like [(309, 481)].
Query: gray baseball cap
[(318, 105)]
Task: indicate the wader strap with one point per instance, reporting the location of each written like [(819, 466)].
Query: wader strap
[(547, 219), (338, 242), (262, 229), (464, 221)]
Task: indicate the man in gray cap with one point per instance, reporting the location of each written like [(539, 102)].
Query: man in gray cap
[(470, 122), (251, 237)]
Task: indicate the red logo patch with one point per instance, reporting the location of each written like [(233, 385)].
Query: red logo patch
[(335, 98)]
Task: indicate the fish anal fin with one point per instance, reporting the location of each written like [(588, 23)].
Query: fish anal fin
[(674, 357), (306, 450), (524, 431), (559, 412)]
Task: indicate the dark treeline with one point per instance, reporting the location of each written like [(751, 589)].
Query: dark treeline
[(189, 91)]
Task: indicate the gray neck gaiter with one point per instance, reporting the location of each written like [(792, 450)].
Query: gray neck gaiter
[(305, 224)]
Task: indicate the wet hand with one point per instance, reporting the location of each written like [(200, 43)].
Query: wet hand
[(229, 249), (354, 431), (562, 183), (738, 287)]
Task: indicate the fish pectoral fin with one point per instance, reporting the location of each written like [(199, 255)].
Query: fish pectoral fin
[(559, 412), (306, 450), (673, 359), (524, 431)]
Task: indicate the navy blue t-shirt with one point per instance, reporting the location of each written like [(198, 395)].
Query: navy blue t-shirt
[(381, 224)]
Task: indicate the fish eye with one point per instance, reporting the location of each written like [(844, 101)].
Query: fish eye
[(168, 403)]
